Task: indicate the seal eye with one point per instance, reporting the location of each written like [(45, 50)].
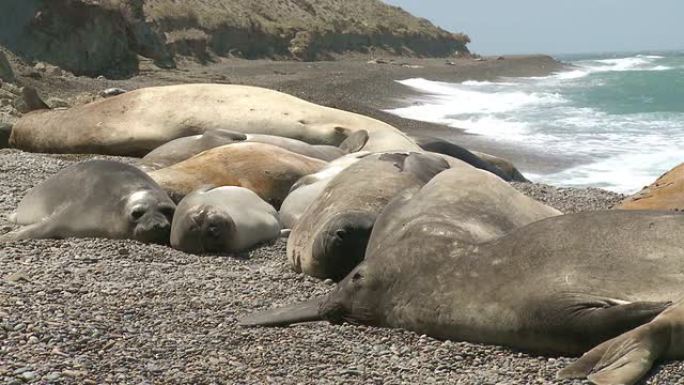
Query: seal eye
[(340, 234), (357, 277), (137, 213), (167, 211)]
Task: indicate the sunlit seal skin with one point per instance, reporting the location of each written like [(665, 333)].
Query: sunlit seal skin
[(225, 219), (331, 236), (506, 166), (96, 198), (666, 193), (309, 187), (268, 170), (556, 286), (181, 149), (136, 122), (445, 147)]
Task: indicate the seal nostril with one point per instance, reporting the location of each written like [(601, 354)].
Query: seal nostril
[(137, 213)]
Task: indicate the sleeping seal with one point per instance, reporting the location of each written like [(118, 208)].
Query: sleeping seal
[(267, 170), (331, 236), (309, 187), (136, 122), (224, 219), (556, 286), (95, 198), (445, 147), (181, 149)]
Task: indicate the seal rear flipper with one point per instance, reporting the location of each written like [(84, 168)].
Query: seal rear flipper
[(621, 360), (308, 311), (354, 142)]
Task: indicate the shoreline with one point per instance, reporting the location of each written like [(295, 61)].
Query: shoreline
[(351, 84)]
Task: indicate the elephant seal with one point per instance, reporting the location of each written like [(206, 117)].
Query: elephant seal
[(268, 170), (445, 147), (136, 122), (224, 219), (309, 187), (556, 286), (96, 198), (666, 193), (331, 236), (506, 166), (181, 149)]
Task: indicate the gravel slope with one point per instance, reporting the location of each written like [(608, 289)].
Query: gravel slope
[(93, 311)]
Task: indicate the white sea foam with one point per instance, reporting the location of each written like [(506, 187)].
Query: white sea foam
[(625, 150)]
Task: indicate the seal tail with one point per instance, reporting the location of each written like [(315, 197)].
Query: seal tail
[(624, 359), (302, 312)]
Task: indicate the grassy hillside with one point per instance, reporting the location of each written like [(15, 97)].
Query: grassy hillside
[(105, 36)]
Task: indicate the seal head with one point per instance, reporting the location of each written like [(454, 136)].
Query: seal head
[(206, 229)]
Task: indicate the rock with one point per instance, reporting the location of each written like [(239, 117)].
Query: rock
[(57, 103), (28, 376), (6, 72)]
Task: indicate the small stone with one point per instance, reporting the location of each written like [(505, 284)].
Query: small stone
[(19, 327), (329, 282), (52, 376), (33, 340), (28, 376)]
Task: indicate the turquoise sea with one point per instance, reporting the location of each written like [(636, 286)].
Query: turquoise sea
[(620, 115)]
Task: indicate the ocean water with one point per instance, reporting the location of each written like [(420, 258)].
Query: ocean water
[(621, 116)]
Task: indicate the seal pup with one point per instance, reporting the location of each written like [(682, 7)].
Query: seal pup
[(224, 219), (331, 236), (266, 169), (95, 198), (181, 149), (666, 193), (557, 286), (441, 146), (309, 187), (136, 122)]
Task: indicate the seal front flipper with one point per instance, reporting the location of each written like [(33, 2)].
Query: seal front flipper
[(308, 311), (628, 357), (571, 315), (354, 142)]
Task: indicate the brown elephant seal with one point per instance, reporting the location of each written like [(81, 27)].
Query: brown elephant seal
[(309, 187), (136, 122), (224, 219), (441, 146), (557, 286), (96, 198), (330, 238), (268, 170), (181, 149), (666, 193)]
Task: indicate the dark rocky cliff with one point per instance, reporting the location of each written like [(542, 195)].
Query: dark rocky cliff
[(93, 37)]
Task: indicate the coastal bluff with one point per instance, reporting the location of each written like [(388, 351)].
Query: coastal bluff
[(112, 37)]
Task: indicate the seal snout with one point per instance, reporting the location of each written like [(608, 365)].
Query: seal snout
[(341, 246)]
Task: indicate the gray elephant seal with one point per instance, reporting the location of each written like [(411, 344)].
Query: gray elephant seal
[(309, 187), (181, 149), (96, 198), (224, 219), (559, 285), (332, 234), (445, 147), (136, 122)]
